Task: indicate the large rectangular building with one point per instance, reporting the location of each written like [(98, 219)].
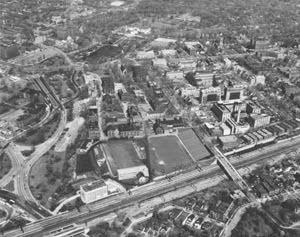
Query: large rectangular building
[(233, 94), (259, 120), (237, 128), (211, 94), (228, 142), (175, 76), (190, 91), (93, 191), (145, 55), (108, 85), (221, 112), (204, 79), (252, 107), (225, 129), (162, 43), (124, 160), (187, 65)]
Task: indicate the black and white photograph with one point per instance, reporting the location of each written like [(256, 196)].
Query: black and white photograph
[(150, 118)]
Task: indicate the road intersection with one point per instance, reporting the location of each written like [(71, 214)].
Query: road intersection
[(154, 189)]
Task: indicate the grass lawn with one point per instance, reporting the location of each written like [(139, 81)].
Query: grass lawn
[(2, 214), (5, 165), (42, 184), (124, 154), (193, 144), (52, 174), (10, 186), (167, 155)]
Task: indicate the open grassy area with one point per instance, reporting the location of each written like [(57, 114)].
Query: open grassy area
[(5, 165), (10, 186), (124, 154), (167, 155), (193, 144), (45, 176), (52, 175), (2, 214)]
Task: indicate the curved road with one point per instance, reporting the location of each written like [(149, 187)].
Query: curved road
[(151, 190), (22, 178), (21, 166), (17, 160)]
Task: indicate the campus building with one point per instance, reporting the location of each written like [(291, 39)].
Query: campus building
[(221, 112), (93, 191), (233, 94), (211, 94), (259, 120)]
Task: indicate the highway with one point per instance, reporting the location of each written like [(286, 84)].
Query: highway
[(22, 178), (21, 166), (148, 191), (17, 160)]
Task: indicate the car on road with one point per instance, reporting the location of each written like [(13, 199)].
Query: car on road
[(11, 202)]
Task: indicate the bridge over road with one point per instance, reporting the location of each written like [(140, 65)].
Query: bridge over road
[(230, 170)]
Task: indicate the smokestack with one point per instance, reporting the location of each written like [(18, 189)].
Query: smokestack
[(239, 113)]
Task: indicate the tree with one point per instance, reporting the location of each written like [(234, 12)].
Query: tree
[(290, 204), (49, 169), (102, 229), (20, 222), (190, 77), (52, 180), (78, 204), (259, 87)]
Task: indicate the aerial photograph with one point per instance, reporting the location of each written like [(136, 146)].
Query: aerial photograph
[(150, 118)]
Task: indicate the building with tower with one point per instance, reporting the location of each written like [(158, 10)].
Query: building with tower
[(221, 112)]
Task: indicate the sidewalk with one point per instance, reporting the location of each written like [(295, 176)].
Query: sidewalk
[(134, 222), (70, 199)]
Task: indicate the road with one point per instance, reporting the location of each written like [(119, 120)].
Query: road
[(34, 126), (17, 160), (21, 166), (234, 174), (233, 221), (146, 192), (22, 179), (9, 212)]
